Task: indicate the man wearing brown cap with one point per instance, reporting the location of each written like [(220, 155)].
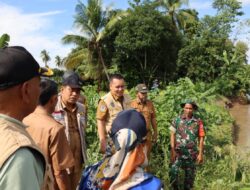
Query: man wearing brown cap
[(146, 107), (108, 107), (51, 138), (22, 165), (71, 114)]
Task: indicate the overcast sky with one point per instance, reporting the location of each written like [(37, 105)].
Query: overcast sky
[(40, 24)]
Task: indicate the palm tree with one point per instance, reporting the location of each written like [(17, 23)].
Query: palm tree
[(179, 17), (59, 61), (45, 57), (94, 24), (4, 40)]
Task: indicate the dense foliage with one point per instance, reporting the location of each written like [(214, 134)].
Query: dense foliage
[(159, 39), (221, 169), (146, 46), (191, 57)]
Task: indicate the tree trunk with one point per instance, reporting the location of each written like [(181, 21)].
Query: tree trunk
[(102, 61), (99, 85)]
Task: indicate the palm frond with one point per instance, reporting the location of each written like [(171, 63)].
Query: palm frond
[(89, 18), (95, 14), (90, 71), (75, 39), (112, 22), (76, 58)]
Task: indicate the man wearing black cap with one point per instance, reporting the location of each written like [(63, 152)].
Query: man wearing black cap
[(71, 114), (185, 131), (146, 107), (22, 165)]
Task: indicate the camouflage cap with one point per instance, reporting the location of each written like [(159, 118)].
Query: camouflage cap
[(141, 88)]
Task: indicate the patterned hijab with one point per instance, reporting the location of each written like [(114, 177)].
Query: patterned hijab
[(124, 169)]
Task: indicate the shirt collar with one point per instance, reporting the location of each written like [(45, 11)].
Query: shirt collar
[(118, 98), (186, 118), (66, 108), (41, 110), (141, 103)]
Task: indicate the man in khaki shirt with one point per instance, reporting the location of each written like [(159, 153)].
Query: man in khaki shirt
[(108, 107), (146, 107), (50, 137), (22, 164)]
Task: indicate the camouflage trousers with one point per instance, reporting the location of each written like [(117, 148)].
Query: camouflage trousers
[(186, 163)]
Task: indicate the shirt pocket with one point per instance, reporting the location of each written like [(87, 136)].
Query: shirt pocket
[(146, 114)]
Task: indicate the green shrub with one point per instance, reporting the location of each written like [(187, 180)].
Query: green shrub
[(221, 170)]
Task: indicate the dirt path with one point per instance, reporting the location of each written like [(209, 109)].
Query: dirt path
[(241, 114)]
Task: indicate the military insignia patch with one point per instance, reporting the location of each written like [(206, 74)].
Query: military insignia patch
[(103, 108)]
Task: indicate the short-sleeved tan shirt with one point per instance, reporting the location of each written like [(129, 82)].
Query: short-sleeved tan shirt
[(147, 110), (102, 109)]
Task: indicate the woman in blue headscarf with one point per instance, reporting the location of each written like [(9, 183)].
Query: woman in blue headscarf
[(125, 168)]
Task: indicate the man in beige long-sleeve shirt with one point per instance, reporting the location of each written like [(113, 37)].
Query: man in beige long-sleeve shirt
[(51, 138)]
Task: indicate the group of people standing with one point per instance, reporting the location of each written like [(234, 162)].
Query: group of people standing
[(43, 129)]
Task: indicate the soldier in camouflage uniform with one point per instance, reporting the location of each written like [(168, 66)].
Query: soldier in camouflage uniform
[(186, 130)]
